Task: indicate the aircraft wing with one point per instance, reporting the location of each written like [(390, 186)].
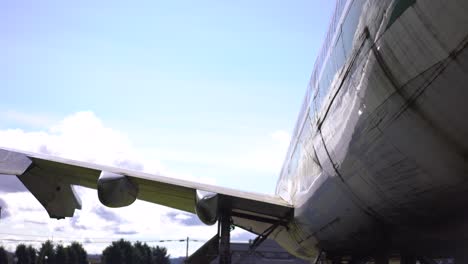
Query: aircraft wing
[(51, 180)]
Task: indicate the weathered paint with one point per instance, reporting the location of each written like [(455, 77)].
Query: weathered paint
[(399, 9), (383, 158)]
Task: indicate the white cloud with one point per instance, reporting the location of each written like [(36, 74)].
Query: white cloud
[(83, 136)]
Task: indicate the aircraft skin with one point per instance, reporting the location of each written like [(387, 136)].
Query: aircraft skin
[(378, 161), (379, 158)]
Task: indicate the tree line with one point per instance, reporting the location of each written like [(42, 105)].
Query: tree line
[(47, 254), (121, 251)]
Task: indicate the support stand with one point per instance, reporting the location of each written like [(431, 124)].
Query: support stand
[(224, 233)]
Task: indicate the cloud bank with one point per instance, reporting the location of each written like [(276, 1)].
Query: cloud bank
[(83, 136)]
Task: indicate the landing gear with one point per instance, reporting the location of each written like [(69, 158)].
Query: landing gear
[(224, 233)]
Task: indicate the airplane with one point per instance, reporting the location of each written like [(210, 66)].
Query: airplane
[(378, 164)]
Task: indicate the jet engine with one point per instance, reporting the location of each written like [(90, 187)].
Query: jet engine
[(116, 190), (206, 207)]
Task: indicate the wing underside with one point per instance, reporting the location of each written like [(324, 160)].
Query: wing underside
[(51, 180)]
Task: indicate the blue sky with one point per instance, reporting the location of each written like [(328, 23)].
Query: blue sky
[(209, 89)]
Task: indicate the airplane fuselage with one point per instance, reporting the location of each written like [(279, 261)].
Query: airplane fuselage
[(378, 162), (378, 159)]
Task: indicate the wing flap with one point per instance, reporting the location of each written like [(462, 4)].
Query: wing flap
[(169, 195)]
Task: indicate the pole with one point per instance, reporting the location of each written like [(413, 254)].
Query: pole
[(225, 239), (186, 250)]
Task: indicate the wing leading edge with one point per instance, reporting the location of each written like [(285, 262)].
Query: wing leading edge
[(51, 180)]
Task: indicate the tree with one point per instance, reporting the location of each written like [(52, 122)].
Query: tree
[(142, 253), (21, 254), (25, 255), (76, 254), (32, 254), (118, 252), (160, 255), (124, 252), (61, 255), (3, 256), (46, 253)]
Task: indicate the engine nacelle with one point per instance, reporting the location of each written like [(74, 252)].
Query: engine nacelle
[(206, 207), (115, 190)]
